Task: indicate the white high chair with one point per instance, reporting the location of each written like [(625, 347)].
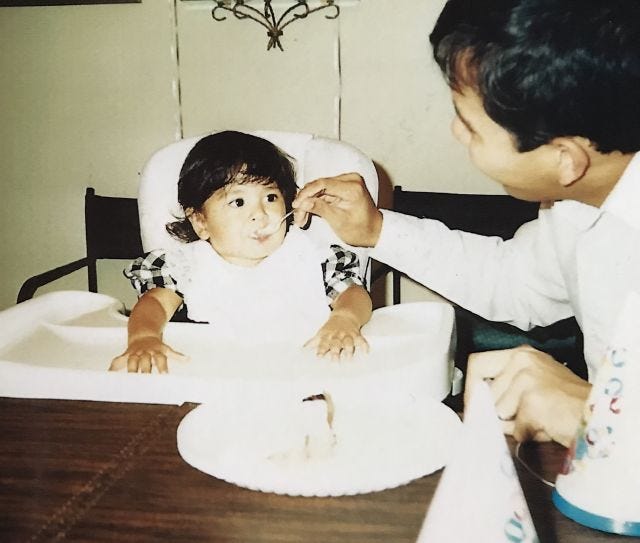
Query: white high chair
[(58, 345), (314, 157)]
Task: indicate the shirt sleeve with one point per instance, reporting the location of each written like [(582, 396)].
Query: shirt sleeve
[(340, 271), (518, 281), (151, 271)]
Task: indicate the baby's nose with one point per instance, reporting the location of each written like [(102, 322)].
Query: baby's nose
[(259, 214)]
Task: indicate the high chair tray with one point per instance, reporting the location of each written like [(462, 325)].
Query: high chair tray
[(59, 346)]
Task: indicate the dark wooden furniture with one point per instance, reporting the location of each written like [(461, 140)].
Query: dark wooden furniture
[(484, 214), (104, 472), (112, 230)]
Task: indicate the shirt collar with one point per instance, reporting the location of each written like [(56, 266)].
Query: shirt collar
[(624, 200)]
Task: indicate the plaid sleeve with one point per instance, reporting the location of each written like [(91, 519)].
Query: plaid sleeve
[(150, 271), (340, 271)]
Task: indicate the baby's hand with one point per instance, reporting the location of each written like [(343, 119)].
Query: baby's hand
[(144, 353), (339, 338)]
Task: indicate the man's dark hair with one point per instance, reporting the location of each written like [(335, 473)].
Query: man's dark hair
[(548, 68)]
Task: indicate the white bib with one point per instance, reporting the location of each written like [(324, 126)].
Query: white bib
[(283, 297)]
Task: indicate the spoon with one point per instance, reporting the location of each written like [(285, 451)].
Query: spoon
[(273, 228)]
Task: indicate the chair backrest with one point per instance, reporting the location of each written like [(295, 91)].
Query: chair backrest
[(112, 230), (485, 214), (488, 215), (314, 157)]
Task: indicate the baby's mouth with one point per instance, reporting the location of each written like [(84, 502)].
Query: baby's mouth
[(273, 227), (265, 232), (261, 235)]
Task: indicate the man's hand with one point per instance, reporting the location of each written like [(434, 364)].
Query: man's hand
[(345, 203), (537, 397), (145, 353)]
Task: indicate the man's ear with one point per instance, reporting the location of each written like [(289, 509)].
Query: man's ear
[(573, 159), (198, 223)]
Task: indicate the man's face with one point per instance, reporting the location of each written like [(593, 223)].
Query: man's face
[(531, 175)]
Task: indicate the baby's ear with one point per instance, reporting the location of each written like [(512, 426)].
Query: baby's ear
[(198, 223)]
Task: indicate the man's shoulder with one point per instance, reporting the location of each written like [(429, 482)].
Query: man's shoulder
[(570, 213)]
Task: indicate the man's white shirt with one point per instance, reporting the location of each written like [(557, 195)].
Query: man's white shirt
[(574, 260)]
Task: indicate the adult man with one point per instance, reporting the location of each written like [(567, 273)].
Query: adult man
[(547, 102)]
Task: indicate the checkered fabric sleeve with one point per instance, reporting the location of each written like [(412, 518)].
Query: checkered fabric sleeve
[(150, 271), (340, 271)]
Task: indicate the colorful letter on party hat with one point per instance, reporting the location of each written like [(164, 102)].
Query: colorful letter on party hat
[(600, 481), (479, 497)]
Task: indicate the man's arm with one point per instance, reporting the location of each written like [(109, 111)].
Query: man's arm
[(517, 282)]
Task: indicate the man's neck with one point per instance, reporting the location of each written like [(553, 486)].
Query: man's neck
[(604, 173)]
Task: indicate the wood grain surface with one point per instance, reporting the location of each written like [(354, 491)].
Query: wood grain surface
[(104, 472)]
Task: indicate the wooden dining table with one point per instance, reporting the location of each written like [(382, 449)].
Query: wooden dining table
[(98, 471)]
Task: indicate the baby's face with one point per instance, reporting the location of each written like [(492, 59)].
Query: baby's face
[(240, 222)]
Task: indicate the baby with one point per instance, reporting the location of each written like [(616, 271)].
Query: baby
[(242, 267)]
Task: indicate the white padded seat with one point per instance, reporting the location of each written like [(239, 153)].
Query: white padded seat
[(314, 157)]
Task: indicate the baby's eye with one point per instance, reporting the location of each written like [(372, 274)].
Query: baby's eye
[(237, 202), (273, 197)]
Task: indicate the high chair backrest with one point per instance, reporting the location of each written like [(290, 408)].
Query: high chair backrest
[(314, 157)]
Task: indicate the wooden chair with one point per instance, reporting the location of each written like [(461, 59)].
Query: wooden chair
[(112, 230)]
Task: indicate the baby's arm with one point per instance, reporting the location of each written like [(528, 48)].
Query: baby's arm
[(146, 324), (340, 336)]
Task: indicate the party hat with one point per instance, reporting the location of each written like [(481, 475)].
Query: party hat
[(479, 497), (599, 485)]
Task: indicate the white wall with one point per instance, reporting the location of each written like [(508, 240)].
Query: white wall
[(89, 92), (86, 95)]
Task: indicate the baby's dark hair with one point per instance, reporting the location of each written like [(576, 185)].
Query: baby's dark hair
[(548, 68), (229, 157)]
